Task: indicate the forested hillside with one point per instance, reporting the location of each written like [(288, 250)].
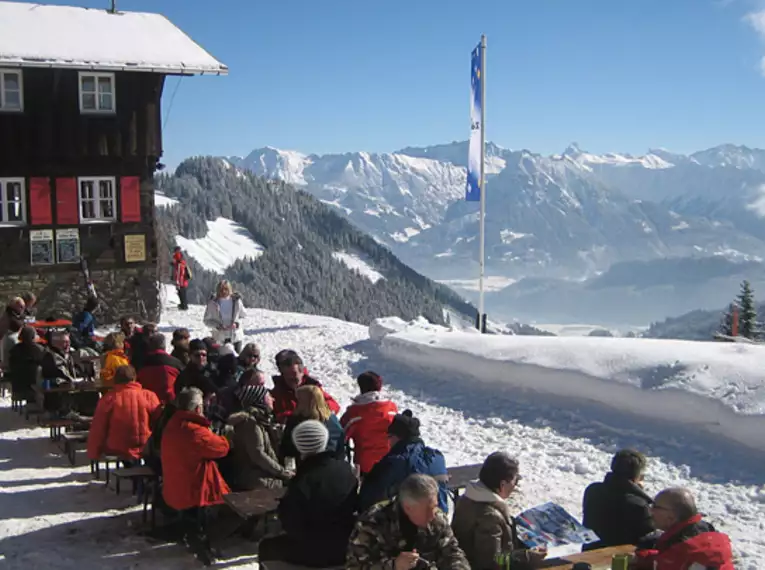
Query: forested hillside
[(297, 271)]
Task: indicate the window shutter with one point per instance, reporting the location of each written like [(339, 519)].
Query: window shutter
[(130, 198), (67, 204), (40, 210)]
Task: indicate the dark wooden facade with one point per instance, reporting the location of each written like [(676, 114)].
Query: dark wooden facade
[(51, 144), (52, 139)]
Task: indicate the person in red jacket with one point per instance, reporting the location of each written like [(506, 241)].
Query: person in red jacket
[(688, 542), (293, 375), (181, 275), (366, 422), (189, 448), (122, 422), (159, 369)]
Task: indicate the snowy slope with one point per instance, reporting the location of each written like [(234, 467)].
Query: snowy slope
[(163, 201), (562, 446), (225, 242), (357, 263)]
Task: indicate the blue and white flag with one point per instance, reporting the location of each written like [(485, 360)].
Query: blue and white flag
[(473, 190)]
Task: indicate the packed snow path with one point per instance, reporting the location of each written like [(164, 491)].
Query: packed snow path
[(58, 517)]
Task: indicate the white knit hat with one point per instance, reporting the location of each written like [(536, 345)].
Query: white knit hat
[(310, 437)]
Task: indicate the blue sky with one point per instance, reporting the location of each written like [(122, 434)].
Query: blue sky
[(345, 75)]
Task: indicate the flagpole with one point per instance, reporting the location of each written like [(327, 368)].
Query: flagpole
[(481, 313)]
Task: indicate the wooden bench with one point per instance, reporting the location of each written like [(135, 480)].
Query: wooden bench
[(95, 466), (71, 439), (56, 426), (599, 559), (460, 476), (274, 565)]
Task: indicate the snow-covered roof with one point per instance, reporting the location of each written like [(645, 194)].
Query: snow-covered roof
[(39, 35)]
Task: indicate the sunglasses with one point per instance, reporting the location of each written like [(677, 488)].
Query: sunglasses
[(199, 353)]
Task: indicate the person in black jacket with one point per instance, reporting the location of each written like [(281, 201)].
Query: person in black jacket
[(197, 374), (24, 361), (618, 509), (318, 511)]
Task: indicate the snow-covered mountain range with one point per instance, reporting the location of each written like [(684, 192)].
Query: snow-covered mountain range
[(565, 216)]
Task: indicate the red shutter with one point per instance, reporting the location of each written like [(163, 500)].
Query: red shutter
[(130, 198), (39, 202), (67, 208)]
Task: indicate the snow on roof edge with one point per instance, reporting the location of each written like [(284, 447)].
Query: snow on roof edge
[(126, 41)]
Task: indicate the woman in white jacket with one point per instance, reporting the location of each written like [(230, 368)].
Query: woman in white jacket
[(223, 315)]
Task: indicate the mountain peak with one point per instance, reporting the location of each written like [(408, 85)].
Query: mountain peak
[(572, 149)]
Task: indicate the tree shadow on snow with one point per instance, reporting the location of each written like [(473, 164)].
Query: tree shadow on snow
[(272, 330), (115, 542), (711, 458)]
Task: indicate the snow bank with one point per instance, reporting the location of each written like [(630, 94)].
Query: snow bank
[(225, 242), (718, 387), (355, 262)]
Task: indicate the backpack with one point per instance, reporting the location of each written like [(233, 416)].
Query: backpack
[(187, 272)]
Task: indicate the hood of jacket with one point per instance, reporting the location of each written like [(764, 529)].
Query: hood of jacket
[(260, 415), (368, 398), (480, 493)]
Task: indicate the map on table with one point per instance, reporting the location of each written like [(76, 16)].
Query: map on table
[(551, 525)]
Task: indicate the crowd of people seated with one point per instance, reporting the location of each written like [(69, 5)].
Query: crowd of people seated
[(203, 417)]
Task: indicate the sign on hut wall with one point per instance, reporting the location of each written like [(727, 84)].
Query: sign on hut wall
[(41, 247), (68, 245), (135, 248)]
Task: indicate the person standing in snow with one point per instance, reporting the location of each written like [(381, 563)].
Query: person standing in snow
[(181, 277), (366, 422), (223, 315)]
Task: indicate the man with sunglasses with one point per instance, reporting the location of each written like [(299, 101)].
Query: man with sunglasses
[(197, 373), (687, 541)]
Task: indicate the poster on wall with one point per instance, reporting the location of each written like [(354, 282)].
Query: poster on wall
[(135, 248), (68, 246), (41, 247)]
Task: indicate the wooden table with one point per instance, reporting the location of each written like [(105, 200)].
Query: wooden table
[(599, 559), (256, 503), (460, 476), (70, 388)]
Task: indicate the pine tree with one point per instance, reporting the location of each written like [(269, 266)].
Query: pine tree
[(726, 325), (748, 311)]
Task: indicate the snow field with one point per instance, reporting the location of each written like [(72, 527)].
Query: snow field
[(225, 243), (562, 446)]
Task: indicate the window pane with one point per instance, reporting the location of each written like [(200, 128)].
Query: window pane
[(11, 81), (89, 101), (105, 102), (87, 190), (107, 209), (104, 84), (88, 83), (105, 188), (13, 192), (14, 212), (12, 100), (87, 210)]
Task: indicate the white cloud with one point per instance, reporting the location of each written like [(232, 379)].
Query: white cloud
[(758, 206), (757, 21)]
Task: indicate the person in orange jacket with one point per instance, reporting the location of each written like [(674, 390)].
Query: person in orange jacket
[(114, 358), (189, 448), (366, 422), (122, 422)]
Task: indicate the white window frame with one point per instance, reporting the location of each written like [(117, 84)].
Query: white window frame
[(18, 72), (99, 218), (4, 202), (96, 76)]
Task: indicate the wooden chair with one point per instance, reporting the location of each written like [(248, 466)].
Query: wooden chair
[(71, 440)]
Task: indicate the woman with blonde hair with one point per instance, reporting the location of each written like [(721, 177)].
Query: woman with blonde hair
[(311, 405), (223, 315), (114, 357)]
